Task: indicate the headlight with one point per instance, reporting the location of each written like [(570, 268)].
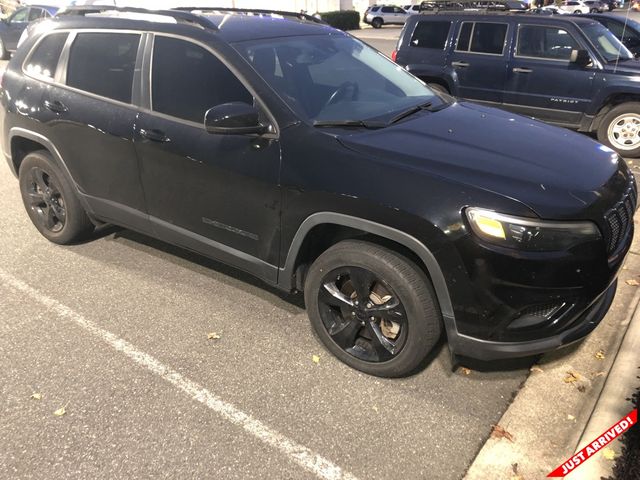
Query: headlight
[(528, 234)]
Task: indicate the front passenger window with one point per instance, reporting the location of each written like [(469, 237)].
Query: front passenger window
[(545, 42), (188, 80)]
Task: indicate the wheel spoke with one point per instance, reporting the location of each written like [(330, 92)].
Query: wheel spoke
[(58, 211), (362, 280), (332, 296), (383, 347), (50, 217), (393, 312), (345, 335), (35, 198), (38, 176)]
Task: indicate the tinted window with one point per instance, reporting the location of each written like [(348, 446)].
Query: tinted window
[(545, 42), (44, 59), (35, 14), (21, 15), (103, 63), (464, 37), (387, 10), (188, 80), (375, 9), (431, 35), (488, 38)]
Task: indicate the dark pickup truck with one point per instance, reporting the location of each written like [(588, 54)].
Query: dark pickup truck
[(568, 71)]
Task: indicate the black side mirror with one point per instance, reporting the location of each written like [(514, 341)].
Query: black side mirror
[(580, 57), (235, 118)]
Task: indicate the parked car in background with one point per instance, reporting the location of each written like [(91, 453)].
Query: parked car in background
[(549, 10), (11, 28), (625, 29), (379, 15), (412, 9), (297, 153), (574, 6), (595, 6), (567, 70), (612, 4)]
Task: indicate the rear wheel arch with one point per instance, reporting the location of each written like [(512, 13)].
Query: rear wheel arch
[(322, 230)]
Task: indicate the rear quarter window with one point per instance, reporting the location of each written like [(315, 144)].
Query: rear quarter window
[(431, 35), (43, 61)]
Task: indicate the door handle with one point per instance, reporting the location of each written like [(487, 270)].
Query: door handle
[(459, 64), (56, 106), (522, 70), (154, 135)]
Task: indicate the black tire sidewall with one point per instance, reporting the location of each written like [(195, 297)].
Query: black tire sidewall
[(77, 224), (377, 23), (603, 136), (423, 318)]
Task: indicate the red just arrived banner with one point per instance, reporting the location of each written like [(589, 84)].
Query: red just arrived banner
[(600, 442)]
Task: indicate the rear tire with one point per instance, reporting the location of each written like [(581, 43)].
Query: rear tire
[(4, 54), (374, 309), (620, 129), (51, 201), (377, 22), (578, 12)]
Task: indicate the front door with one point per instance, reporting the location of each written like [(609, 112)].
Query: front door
[(217, 194), (478, 61), (542, 82)]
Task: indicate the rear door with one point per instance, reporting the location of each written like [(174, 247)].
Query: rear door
[(541, 80), (88, 114), (478, 62)]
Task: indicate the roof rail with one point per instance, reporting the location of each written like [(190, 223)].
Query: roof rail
[(179, 16), (472, 6), (256, 11)]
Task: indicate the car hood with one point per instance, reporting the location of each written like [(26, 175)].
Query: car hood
[(555, 172)]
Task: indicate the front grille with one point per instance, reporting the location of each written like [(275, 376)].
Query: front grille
[(620, 218)]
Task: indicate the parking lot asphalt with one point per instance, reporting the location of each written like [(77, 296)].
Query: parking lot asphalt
[(115, 330)]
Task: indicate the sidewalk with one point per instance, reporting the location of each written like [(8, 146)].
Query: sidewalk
[(571, 396)]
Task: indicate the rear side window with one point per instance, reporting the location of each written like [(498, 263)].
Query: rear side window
[(387, 10), (103, 63), (44, 59), (545, 42), (431, 35), (480, 37), (188, 80)]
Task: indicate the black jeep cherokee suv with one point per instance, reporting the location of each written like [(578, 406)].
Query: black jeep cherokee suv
[(293, 151), (566, 70)]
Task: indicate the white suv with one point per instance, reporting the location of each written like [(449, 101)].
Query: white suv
[(379, 15)]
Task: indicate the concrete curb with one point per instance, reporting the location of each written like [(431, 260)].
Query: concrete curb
[(611, 406), (547, 417)]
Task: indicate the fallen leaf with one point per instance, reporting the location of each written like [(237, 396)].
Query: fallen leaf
[(633, 282), (36, 396), (570, 417), (465, 370), (499, 432), (572, 377), (60, 412), (581, 388), (609, 453), (514, 467), (316, 359), (213, 336), (535, 368), (600, 354)]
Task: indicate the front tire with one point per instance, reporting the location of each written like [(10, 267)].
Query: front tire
[(377, 23), (620, 129), (50, 200), (373, 308)]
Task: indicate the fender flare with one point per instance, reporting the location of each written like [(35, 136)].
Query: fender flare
[(285, 274)]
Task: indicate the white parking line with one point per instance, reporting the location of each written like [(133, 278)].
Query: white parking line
[(303, 456)]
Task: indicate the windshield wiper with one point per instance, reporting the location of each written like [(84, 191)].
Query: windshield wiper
[(348, 123), (410, 111)]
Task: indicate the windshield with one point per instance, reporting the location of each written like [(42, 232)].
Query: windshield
[(335, 78), (606, 43)]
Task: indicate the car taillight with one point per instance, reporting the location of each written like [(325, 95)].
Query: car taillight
[(394, 55)]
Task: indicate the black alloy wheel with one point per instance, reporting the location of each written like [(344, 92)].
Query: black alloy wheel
[(46, 200), (362, 314)]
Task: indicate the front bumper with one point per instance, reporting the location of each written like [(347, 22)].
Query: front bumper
[(481, 349)]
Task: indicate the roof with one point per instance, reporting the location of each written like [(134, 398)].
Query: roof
[(230, 27), (507, 16)]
